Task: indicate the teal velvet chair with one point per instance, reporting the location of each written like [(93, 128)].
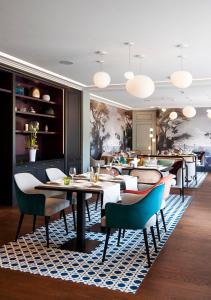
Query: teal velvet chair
[(37, 203), (139, 215)]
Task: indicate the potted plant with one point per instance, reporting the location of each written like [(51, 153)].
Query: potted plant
[(32, 144)]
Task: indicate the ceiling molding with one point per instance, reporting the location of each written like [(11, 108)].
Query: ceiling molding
[(110, 102), (18, 64)]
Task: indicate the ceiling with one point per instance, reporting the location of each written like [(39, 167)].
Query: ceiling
[(45, 32)]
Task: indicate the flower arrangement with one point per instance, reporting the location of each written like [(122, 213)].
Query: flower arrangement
[(32, 139)]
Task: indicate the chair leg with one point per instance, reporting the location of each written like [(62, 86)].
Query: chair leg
[(87, 207), (158, 230), (60, 216), (65, 221), (34, 223), (147, 246), (96, 204), (47, 230), (123, 233), (163, 219), (119, 236), (19, 226), (153, 238), (74, 218), (106, 244)]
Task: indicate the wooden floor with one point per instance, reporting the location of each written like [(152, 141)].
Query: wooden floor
[(182, 270)]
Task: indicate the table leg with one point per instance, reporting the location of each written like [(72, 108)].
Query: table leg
[(81, 222)]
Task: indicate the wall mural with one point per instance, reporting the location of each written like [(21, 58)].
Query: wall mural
[(184, 133), (111, 128)]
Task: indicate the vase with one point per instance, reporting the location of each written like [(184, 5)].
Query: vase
[(32, 155)]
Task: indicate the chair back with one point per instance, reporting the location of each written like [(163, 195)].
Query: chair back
[(135, 216), (146, 176), (30, 201), (26, 182), (54, 173), (115, 171), (167, 185)]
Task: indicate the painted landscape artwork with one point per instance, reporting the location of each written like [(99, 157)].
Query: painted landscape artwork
[(111, 128), (183, 133)]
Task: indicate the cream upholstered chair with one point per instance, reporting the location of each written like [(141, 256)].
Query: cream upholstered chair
[(146, 177), (37, 202), (190, 172), (54, 174)]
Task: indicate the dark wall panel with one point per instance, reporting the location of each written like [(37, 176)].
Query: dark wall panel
[(73, 157)]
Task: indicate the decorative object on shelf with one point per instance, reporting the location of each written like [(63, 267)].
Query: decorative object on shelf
[(32, 144), (32, 110), (141, 86), (46, 97), (173, 115), (101, 79), (181, 79), (34, 124), (26, 127), (35, 93), (16, 109), (19, 90), (46, 128), (23, 109), (50, 111), (189, 111)]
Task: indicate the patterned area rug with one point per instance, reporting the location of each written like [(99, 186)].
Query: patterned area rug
[(125, 267), (200, 178)]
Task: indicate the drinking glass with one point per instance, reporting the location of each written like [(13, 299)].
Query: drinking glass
[(109, 168), (72, 172)]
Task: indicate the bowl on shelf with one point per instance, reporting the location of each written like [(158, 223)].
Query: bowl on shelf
[(46, 97)]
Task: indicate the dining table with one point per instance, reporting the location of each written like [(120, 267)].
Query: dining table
[(108, 190)]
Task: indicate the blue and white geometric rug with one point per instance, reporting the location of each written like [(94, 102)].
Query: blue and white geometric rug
[(200, 178), (125, 266)]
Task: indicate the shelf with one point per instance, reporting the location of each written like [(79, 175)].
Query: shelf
[(35, 114), (6, 91), (35, 99), (39, 132)]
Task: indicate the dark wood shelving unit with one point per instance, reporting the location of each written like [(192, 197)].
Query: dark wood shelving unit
[(39, 132), (27, 98), (5, 91), (35, 114), (62, 117)]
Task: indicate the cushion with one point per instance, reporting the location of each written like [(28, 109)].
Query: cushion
[(54, 205), (131, 198)]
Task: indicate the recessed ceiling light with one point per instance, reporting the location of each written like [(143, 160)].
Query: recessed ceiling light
[(66, 62)]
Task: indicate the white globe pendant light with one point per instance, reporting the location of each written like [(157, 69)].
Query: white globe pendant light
[(129, 74), (101, 79), (189, 111), (209, 113), (140, 86), (181, 79), (173, 115)]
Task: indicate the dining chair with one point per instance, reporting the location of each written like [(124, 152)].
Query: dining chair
[(37, 203), (146, 177), (54, 174), (114, 171), (190, 172), (179, 170), (139, 215), (167, 181)]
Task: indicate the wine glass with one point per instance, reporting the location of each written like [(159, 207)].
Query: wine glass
[(72, 172)]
